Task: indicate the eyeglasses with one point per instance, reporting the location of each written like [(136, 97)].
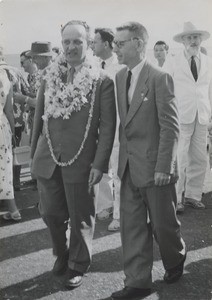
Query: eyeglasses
[(120, 44)]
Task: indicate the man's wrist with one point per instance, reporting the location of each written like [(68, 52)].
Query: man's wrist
[(26, 100)]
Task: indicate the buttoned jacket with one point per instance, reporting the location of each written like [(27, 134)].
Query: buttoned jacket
[(149, 131)]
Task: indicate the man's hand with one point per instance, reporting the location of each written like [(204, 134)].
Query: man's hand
[(19, 98), (162, 178), (94, 178)]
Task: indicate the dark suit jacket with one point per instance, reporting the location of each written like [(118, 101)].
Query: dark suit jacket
[(149, 131), (67, 136)]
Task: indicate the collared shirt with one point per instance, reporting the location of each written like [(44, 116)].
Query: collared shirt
[(77, 68), (134, 79), (112, 66), (196, 58), (108, 62)]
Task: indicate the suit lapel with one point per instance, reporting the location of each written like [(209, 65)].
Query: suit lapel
[(203, 65), (139, 93), (185, 66)]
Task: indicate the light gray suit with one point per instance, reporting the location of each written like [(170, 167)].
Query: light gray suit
[(148, 143)]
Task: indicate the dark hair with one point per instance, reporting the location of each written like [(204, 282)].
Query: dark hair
[(26, 54), (166, 47), (78, 22), (106, 34), (138, 29), (56, 50)]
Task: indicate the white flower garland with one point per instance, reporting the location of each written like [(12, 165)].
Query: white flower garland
[(38, 77), (62, 99)]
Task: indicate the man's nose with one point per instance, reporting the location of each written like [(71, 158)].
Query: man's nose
[(71, 46)]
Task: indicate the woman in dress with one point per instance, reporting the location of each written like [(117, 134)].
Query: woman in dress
[(6, 159)]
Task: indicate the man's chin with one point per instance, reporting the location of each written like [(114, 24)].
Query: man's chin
[(193, 50)]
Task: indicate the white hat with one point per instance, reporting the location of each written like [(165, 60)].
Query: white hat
[(189, 28)]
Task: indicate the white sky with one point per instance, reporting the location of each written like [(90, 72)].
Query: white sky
[(25, 21)]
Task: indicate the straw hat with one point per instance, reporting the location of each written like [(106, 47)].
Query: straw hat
[(41, 49), (188, 29)]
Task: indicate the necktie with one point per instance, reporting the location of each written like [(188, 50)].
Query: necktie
[(103, 64), (194, 68), (70, 77), (128, 86)]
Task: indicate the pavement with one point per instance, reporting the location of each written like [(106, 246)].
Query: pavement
[(26, 258)]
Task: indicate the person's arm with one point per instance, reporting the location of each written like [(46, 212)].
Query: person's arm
[(23, 99), (169, 129), (38, 122), (107, 128), (8, 110)]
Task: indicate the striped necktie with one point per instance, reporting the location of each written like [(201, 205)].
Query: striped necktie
[(70, 77)]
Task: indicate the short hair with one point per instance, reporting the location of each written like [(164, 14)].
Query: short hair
[(107, 35), (78, 22), (56, 50), (166, 47), (26, 54), (138, 29)]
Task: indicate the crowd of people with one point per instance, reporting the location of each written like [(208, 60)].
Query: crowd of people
[(110, 134)]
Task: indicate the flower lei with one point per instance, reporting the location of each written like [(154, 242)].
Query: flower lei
[(62, 99), (37, 80)]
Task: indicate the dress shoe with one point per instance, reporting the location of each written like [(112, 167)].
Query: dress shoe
[(74, 279), (114, 225), (180, 208), (61, 264), (174, 274), (194, 203), (130, 293), (14, 216)]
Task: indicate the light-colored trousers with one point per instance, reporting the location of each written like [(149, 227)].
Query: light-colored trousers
[(192, 160), (108, 193)]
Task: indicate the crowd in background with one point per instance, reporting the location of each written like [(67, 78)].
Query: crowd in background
[(192, 86)]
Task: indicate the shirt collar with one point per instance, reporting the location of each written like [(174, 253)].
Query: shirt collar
[(137, 69), (77, 68), (108, 61), (188, 56)]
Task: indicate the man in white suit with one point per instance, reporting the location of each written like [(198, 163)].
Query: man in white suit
[(192, 74), (109, 188)]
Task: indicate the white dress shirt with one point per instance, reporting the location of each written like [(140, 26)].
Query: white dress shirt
[(134, 79), (196, 58)]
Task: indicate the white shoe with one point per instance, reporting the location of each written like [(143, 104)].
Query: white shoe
[(15, 216), (104, 214), (114, 225)]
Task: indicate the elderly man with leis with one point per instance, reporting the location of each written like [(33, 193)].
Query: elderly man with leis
[(73, 135)]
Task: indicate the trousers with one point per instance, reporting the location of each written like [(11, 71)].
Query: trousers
[(137, 233), (192, 160), (61, 201)]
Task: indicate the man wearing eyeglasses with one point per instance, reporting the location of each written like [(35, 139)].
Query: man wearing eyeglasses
[(149, 132)]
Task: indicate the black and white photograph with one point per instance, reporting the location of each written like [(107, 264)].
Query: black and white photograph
[(105, 150)]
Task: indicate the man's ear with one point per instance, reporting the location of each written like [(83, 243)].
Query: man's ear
[(106, 44), (139, 44)]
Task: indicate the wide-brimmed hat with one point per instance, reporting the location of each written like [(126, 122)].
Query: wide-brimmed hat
[(189, 28), (41, 49)]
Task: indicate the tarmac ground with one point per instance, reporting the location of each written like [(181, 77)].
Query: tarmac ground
[(26, 259)]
